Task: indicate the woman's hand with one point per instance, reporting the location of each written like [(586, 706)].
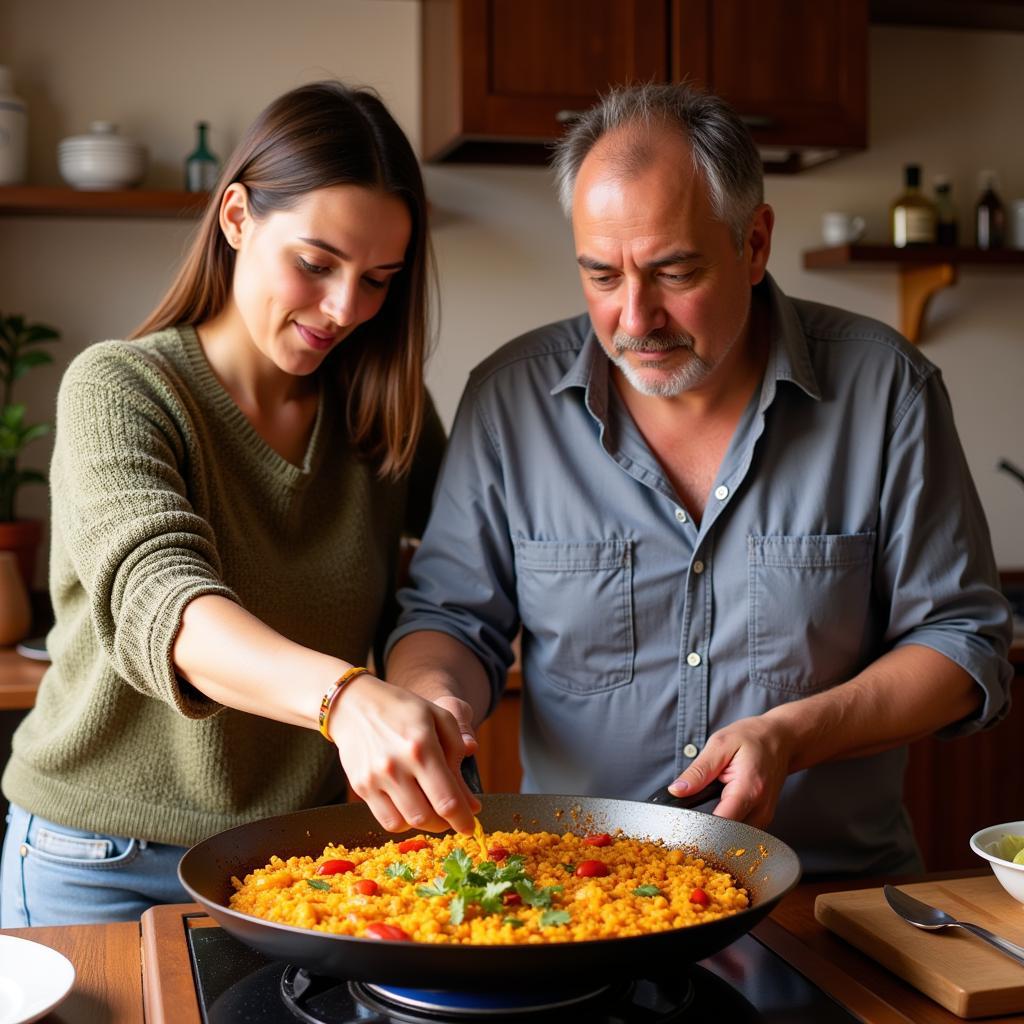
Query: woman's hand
[(402, 753), (752, 758)]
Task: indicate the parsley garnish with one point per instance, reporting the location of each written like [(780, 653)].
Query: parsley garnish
[(647, 890), (569, 868), (534, 897), (513, 922), (316, 883), (484, 885), (400, 870), (552, 918)]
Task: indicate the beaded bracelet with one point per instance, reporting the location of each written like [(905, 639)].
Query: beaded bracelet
[(332, 695)]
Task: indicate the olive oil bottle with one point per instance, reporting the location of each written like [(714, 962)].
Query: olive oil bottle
[(912, 216)]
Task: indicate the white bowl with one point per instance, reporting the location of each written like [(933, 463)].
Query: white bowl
[(102, 159), (1011, 876)]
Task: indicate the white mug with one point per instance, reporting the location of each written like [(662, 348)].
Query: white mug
[(838, 228)]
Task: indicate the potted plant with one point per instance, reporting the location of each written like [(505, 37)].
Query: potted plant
[(20, 351)]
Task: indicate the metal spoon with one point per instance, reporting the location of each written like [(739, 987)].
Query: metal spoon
[(931, 919)]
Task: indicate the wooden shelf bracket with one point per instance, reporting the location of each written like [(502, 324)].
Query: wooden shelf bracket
[(917, 286)]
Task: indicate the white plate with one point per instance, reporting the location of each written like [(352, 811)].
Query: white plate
[(33, 979)]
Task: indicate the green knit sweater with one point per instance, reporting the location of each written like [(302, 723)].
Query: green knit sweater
[(161, 490)]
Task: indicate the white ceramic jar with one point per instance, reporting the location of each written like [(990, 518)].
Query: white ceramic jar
[(13, 132), (101, 159)]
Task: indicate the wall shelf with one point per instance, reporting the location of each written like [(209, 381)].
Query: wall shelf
[(50, 201), (924, 270)]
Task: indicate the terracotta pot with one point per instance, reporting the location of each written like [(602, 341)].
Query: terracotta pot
[(22, 536), (15, 613)]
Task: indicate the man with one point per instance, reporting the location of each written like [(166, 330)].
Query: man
[(738, 530)]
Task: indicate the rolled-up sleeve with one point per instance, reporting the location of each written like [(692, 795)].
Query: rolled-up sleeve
[(463, 574), (936, 566)]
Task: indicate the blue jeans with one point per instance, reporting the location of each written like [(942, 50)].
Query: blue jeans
[(51, 874)]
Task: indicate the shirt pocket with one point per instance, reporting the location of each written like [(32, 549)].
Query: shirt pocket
[(809, 602), (576, 601)]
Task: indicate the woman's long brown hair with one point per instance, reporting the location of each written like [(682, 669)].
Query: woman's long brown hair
[(313, 137)]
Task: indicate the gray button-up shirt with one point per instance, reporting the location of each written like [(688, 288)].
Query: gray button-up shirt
[(843, 523)]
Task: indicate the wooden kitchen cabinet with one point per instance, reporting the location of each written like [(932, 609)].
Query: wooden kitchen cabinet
[(795, 70), (501, 78)]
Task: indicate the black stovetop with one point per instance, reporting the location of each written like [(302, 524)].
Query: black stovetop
[(745, 983)]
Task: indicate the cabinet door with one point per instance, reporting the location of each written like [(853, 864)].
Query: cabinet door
[(527, 65), (796, 70)]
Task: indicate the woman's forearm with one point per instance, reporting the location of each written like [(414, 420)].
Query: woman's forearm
[(235, 659)]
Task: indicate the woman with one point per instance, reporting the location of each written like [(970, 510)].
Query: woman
[(228, 491)]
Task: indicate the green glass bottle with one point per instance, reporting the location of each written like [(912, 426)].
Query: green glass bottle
[(201, 166)]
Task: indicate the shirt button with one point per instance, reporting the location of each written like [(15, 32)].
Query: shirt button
[(23, 850), (698, 567), (693, 659), (689, 750), (721, 492), (680, 515)]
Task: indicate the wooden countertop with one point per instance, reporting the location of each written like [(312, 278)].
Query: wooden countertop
[(108, 963)]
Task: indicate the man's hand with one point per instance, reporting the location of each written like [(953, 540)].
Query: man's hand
[(402, 753), (907, 693), (752, 758)]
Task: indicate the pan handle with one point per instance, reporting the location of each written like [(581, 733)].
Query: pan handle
[(712, 791), (471, 775)]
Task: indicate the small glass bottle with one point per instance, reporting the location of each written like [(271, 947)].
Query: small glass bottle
[(13, 132), (912, 215), (201, 166), (989, 215), (945, 211)]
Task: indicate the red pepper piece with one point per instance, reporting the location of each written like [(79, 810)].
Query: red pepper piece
[(700, 897), (511, 899), (387, 932), (366, 887), (497, 853), (601, 839), (591, 869), (335, 867), (411, 845)]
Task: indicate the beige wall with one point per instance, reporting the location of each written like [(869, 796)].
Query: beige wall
[(948, 99)]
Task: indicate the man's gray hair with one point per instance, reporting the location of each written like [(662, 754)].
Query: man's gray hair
[(723, 150)]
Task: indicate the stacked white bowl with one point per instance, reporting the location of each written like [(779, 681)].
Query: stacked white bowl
[(101, 159)]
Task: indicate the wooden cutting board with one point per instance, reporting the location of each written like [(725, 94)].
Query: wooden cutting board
[(957, 970)]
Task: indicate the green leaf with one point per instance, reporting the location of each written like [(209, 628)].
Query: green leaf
[(554, 918), (646, 890), (569, 868), (316, 883), (534, 897), (400, 870), (27, 360), (13, 415), (39, 332), (513, 922), (37, 430), (436, 888), (457, 910)]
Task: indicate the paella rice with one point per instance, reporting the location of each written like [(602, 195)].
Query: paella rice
[(535, 887)]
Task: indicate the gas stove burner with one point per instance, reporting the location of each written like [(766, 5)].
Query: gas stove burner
[(448, 1005), (319, 1000)]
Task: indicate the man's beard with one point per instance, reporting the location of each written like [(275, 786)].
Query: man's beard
[(687, 375)]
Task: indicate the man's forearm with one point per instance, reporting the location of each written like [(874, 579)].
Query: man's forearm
[(432, 664), (906, 694)]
